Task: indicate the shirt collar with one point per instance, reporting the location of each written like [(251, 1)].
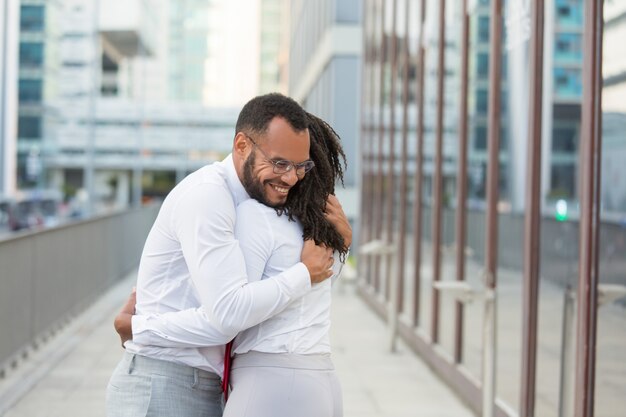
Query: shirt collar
[(234, 183)]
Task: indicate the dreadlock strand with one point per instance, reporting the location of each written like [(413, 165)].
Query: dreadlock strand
[(307, 199)]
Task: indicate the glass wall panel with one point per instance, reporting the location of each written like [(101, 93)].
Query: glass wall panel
[(515, 90), (400, 199), (560, 232), (430, 42), (386, 186), (450, 161), (375, 186), (413, 10), (478, 84), (368, 130), (611, 355)]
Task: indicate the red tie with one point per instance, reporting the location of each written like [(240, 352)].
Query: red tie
[(226, 377)]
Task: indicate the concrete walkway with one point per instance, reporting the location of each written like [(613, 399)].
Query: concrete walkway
[(68, 376)]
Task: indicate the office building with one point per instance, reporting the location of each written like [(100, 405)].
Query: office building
[(324, 75), (613, 186), (9, 31)]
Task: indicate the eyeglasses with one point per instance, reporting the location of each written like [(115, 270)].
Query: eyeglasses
[(282, 166)]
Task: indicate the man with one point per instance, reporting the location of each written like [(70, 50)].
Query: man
[(192, 274)]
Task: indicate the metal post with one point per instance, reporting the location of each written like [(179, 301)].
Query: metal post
[(391, 157), (567, 351), (380, 248), (419, 168), (590, 173), (392, 305), (489, 353), (461, 211), (378, 194), (437, 180), (403, 166), (532, 223), (491, 232)]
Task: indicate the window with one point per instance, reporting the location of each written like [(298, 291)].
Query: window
[(480, 138), (569, 12), (481, 102), (564, 139), (482, 65), (31, 54), (563, 181), (563, 11), (568, 82), (568, 46), (483, 29), (30, 90), (32, 18), (29, 127)]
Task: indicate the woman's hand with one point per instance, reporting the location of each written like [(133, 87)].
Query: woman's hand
[(335, 215)]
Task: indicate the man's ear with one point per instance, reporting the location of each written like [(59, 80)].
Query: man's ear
[(240, 144)]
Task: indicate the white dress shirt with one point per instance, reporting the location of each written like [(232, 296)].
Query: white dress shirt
[(270, 245), (192, 287)]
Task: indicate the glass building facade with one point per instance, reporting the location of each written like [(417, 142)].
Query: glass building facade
[(38, 71), (488, 223)]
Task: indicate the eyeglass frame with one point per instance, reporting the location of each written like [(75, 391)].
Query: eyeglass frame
[(292, 165)]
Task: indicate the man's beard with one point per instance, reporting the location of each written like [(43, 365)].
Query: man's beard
[(253, 186)]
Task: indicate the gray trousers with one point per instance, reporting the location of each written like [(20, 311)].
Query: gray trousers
[(283, 385), (142, 386)]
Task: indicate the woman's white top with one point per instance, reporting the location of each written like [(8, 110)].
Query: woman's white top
[(272, 244)]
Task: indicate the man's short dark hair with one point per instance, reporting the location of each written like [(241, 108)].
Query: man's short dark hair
[(259, 112)]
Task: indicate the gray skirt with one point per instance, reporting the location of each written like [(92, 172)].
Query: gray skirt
[(283, 385)]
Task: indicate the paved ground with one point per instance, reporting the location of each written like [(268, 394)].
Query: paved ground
[(68, 376)]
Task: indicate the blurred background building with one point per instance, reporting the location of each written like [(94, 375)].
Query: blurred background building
[(614, 108), (324, 75), (109, 91), (9, 35)]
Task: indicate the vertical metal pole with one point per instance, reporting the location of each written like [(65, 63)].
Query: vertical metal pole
[(375, 95), (491, 261), (590, 157), (532, 228), (366, 103), (381, 136), (392, 306), (489, 352), (437, 175), (461, 212), (405, 150), (391, 167), (567, 344), (419, 169)]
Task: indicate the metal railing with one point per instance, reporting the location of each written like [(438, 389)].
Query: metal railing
[(48, 276)]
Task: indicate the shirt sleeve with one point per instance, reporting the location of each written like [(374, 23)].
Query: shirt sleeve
[(204, 223), (337, 266), (181, 329)]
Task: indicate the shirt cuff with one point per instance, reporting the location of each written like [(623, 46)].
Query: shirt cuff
[(297, 280), (141, 333)]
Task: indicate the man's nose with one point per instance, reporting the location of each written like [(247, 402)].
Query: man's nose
[(290, 177)]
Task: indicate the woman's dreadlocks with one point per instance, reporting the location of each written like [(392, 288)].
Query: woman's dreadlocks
[(307, 199)]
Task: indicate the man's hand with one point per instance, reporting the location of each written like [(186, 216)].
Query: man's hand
[(123, 320), (335, 215), (318, 260)]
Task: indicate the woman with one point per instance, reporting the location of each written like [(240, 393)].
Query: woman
[(282, 366)]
